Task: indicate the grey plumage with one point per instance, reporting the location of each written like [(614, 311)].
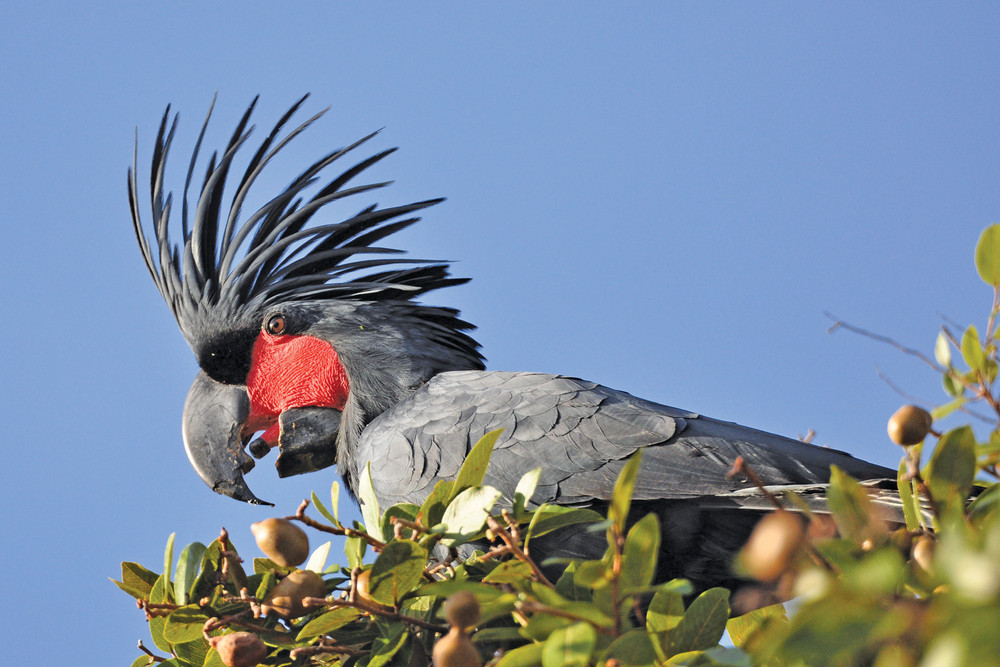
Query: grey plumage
[(419, 396)]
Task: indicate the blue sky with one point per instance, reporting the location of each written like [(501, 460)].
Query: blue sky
[(662, 197)]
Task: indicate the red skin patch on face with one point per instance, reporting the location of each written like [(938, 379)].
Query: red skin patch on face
[(292, 372)]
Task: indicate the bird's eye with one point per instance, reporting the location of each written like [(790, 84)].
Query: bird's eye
[(275, 325)]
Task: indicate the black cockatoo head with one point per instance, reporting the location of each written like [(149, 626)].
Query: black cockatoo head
[(304, 332)]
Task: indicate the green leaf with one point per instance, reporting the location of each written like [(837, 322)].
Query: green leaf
[(541, 625), (335, 502), (952, 468), (317, 559), (942, 349), (942, 411), (159, 594), (986, 503), (267, 581), (184, 624), (592, 574), (473, 469), (740, 628), (880, 572), (633, 648), (850, 505), (323, 510), (443, 589), (188, 566), (397, 571), (639, 557), (523, 656), (434, 505), (213, 659), (972, 350), (211, 565), (570, 646), (988, 255), (328, 622), (666, 610), (137, 581), (909, 497), (369, 505), (509, 572), (407, 511), (525, 489), (193, 652), (548, 518), (621, 497), (467, 512), (952, 386), (385, 648), (354, 550), (566, 585), (168, 557), (703, 624)]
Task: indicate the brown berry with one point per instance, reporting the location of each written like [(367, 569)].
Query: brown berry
[(281, 541), (769, 551), (462, 610), (285, 598), (239, 649), (923, 553), (909, 425), (455, 649)]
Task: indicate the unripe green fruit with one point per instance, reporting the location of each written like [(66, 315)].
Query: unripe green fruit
[(462, 610), (909, 425), (281, 541), (455, 649), (769, 551), (239, 649), (285, 599)]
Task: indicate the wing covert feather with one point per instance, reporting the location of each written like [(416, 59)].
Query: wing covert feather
[(580, 434)]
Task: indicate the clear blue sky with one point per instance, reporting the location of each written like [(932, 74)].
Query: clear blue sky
[(663, 197)]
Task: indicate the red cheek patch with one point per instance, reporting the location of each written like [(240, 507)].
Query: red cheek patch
[(293, 372)]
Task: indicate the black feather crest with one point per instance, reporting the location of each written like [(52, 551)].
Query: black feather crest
[(227, 268)]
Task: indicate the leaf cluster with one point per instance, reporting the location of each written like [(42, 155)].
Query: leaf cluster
[(384, 606), (885, 576), (923, 587)]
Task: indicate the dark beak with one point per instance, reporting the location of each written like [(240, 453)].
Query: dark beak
[(213, 423), (214, 437)]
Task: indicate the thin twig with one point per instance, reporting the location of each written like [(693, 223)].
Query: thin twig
[(377, 611), (152, 655), (840, 324), (300, 515), (515, 550)]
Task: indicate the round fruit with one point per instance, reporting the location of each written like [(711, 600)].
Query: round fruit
[(281, 541), (285, 598), (462, 610), (774, 541), (239, 649), (909, 425), (455, 649), (923, 553)]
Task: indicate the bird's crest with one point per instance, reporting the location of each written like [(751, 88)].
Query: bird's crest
[(228, 269)]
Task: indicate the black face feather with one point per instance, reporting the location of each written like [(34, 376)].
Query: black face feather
[(230, 269)]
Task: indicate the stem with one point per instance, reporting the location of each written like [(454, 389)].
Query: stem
[(300, 515), (515, 550)]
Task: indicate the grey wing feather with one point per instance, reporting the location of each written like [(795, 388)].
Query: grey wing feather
[(580, 434)]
